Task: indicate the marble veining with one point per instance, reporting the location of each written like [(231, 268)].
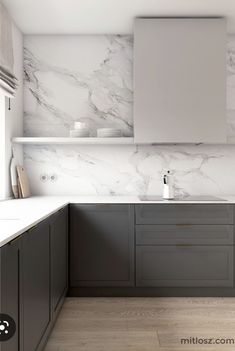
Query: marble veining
[(131, 170), (77, 78), (89, 78)]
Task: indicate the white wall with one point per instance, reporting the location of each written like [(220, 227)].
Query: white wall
[(14, 117)]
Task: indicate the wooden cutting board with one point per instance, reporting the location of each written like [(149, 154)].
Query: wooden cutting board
[(23, 181)]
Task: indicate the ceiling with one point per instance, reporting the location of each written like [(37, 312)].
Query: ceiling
[(107, 16)]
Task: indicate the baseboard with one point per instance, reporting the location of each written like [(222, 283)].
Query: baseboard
[(150, 292)]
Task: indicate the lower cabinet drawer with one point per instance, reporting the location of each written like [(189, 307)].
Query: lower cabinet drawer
[(184, 234), (184, 214), (184, 266)]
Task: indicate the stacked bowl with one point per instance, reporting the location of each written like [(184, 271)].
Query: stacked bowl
[(109, 133), (80, 130)]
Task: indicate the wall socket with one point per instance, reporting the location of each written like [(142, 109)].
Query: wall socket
[(53, 177), (44, 177)]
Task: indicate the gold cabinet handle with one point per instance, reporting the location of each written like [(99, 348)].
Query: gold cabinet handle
[(183, 224), (14, 240), (32, 228), (184, 245)]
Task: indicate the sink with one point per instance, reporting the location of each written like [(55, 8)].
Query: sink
[(185, 198)]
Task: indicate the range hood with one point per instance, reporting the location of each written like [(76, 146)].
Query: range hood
[(180, 80)]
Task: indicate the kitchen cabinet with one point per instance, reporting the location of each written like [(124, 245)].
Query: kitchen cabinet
[(180, 234), (59, 256), (180, 80), (35, 284), (185, 245), (101, 245), (184, 265), (34, 280), (184, 214), (115, 249), (10, 290)]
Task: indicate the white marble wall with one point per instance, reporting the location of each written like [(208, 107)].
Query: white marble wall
[(84, 78), (131, 170), (90, 78)]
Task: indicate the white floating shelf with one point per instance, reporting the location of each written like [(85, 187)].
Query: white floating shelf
[(72, 141)]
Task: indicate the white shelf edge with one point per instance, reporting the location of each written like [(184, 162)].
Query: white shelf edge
[(73, 141)]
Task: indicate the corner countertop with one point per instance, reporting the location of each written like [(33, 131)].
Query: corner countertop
[(17, 216)]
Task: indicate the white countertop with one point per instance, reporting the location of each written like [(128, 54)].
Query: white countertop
[(17, 216)]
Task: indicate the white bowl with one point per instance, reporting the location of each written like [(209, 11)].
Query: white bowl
[(80, 125), (79, 133), (108, 132)]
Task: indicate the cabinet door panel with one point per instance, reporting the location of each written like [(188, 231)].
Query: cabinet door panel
[(101, 245), (59, 257), (179, 266), (36, 285), (10, 290)]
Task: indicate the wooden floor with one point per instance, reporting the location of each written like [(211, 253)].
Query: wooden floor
[(143, 324)]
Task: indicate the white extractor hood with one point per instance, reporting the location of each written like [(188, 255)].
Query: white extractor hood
[(180, 80)]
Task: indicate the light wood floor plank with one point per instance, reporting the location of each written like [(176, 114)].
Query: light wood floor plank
[(142, 324)]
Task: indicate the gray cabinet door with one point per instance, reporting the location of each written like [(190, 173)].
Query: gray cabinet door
[(180, 80), (184, 214), (10, 290), (184, 266), (59, 256), (35, 284), (101, 245)]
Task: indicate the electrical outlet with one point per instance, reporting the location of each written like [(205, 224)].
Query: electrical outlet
[(43, 177), (53, 177)]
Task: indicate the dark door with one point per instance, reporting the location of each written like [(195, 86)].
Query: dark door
[(10, 290), (59, 257), (101, 245), (35, 284)]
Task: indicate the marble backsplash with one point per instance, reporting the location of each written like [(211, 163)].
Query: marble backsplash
[(77, 78), (114, 170), (89, 78)]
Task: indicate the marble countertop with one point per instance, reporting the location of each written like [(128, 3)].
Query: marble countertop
[(17, 216)]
